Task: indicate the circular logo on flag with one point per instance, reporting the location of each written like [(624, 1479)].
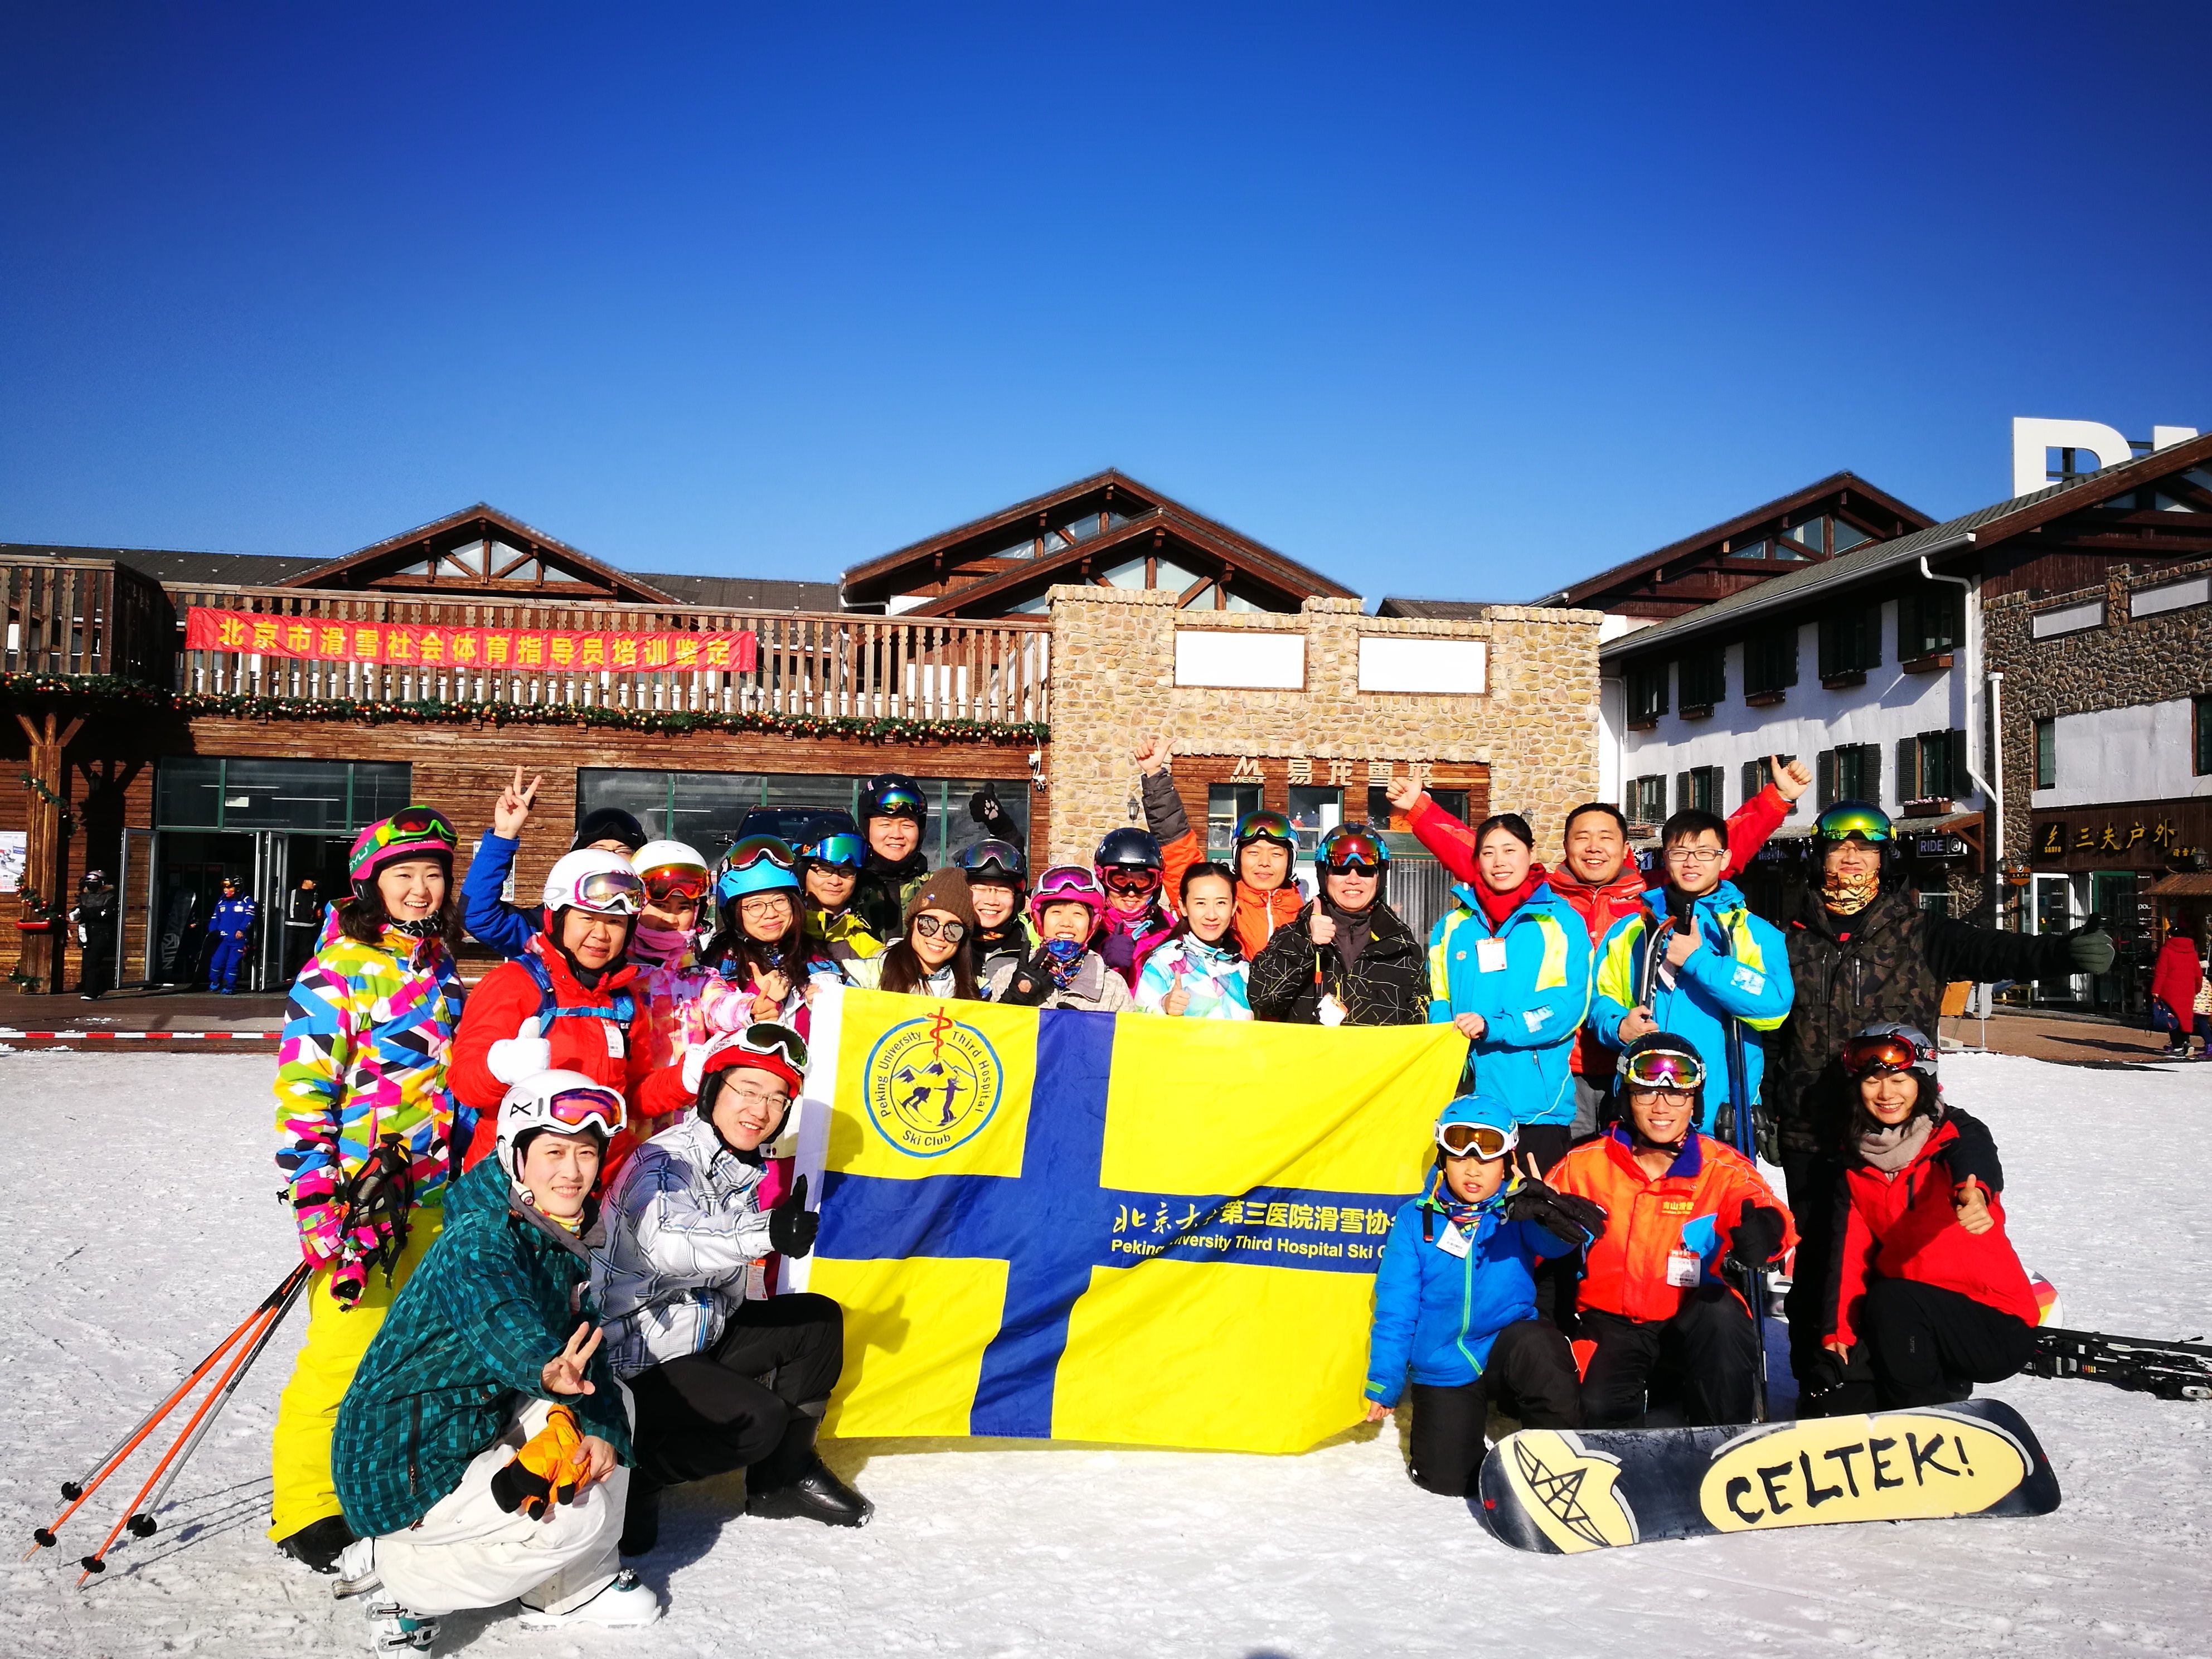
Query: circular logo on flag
[(933, 1083)]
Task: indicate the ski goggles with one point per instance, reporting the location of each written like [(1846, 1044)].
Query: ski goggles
[(1343, 850), (896, 801), (760, 849), (1891, 1051), (608, 893), (769, 1036), (929, 926), (681, 884), (993, 857), (1265, 826), (1130, 880), (1848, 818), (585, 1108), (415, 826), (1663, 1068), (1484, 1140), (841, 851)]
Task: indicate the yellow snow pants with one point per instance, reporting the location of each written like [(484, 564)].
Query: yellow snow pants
[(307, 1411)]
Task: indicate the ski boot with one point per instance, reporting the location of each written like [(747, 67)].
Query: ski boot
[(624, 1603)]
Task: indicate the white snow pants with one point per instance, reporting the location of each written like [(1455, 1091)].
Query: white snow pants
[(469, 1552)]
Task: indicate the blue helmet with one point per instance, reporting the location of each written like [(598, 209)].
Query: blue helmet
[(758, 864), (1478, 1124)]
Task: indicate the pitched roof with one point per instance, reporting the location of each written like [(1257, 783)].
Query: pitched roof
[(174, 565), (620, 584), (1981, 529), (1438, 609), (744, 592)]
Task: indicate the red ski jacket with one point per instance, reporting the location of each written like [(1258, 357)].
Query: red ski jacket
[(2175, 980), (593, 1043), (1903, 1226), (1601, 906)]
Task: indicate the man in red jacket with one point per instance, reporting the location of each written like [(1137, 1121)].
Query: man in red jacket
[(1599, 881), (567, 1003)]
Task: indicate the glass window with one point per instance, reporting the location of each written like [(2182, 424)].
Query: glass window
[(1647, 691), (1929, 621), (1850, 640), (1935, 781), (1811, 536), (643, 795), (1770, 660), (2046, 749), (284, 794), (379, 789), (1703, 678), (956, 828), (1701, 788), (1844, 536), (188, 792), (1315, 809), (2200, 709), (1647, 800), (707, 808), (1756, 550), (1225, 802)]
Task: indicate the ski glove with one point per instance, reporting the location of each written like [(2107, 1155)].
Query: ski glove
[(1567, 1216), (321, 1214), (791, 1225), (1758, 1236), (516, 1058), (983, 806), (1030, 985), (2090, 949), (547, 1471)]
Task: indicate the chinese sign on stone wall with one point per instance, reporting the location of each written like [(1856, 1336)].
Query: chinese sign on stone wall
[(407, 645)]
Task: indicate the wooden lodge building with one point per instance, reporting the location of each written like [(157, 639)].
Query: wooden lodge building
[(184, 716)]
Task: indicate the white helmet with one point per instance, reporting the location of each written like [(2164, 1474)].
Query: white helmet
[(668, 860), (604, 884), (566, 1102)]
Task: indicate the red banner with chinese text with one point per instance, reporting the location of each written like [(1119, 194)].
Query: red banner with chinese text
[(416, 645)]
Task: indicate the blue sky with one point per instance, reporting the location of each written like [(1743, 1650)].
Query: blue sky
[(1452, 301)]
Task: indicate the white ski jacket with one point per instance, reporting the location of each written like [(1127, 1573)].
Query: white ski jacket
[(684, 1229)]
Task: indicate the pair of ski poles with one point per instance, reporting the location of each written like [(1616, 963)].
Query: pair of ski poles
[(244, 1345)]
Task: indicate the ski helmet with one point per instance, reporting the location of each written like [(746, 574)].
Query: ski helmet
[(993, 860), (1266, 825), (1068, 883), (893, 795), (418, 832), (1358, 847), (609, 823), (602, 884), (758, 864), (1862, 819), (1660, 1060), (839, 848), (671, 870), (1126, 848), (566, 1102), (766, 1045), (1477, 1124)]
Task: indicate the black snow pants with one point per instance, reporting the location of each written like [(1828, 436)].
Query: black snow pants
[(1922, 1341), (1710, 1347), (727, 1408), (1532, 1374)]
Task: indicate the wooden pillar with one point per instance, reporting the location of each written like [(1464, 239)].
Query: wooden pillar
[(40, 965)]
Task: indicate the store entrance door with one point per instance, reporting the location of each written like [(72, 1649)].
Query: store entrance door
[(291, 915), (190, 867)]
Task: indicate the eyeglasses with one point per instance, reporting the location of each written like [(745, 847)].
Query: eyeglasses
[(1863, 1055), (1265, 826), (759, 849), (1679, 854), (1482, 1140), (764, 904), (1132, 881), (841, 851), (681, 886), (612, 892), (581, 1107), (930, 926), (1664, 1068)]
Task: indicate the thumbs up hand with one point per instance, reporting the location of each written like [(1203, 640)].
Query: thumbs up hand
[(1971, 1202), (1319, 926), (1178, 996)]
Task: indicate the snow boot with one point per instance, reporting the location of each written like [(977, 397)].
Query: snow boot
[(792, 1483), (318, 1544), (640, 1516), (624, 1603)]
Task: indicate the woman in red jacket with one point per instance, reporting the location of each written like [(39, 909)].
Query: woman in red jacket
[(1928, 1293), (2175, 982), (567, 1003)]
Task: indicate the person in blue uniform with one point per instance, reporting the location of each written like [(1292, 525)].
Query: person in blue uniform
[(229, 927)]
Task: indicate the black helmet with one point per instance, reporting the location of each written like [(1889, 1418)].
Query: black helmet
[(893, 795), (1126, 848), (992, 859)]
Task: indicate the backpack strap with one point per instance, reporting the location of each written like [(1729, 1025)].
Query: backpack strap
[(623, 1013)]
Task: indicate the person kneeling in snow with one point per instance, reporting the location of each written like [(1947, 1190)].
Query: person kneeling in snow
[(1678, 1205), (1455, 1298), (480, 1452), (1928, 1289), (724, 1376)]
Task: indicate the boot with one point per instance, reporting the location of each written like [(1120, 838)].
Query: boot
[(792, 1483), (318, 1544), (641, 1518)]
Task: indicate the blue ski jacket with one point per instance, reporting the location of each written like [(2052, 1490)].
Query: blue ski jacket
[(233, 917), (1436, 1313), (490, 920), (1532, 999)]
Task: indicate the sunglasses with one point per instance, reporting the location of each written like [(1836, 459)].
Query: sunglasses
[(685, 886), (841, 851), (759, 849), (1265, 826), (1664, 1068), (616, 892), (581, 1107), (1866, 1054), (930, 926), (1481, 1140), (768, 1036), (1132, 881)]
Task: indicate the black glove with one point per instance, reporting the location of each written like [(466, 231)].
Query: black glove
[(791, 1225), (1030, 985), (2090, 947), (983, 806), (1825, 1370), (1567, 1216), (1757, 1237)]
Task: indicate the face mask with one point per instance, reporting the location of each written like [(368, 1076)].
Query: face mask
[(1849, 894), (1065, 950), (663, 943)]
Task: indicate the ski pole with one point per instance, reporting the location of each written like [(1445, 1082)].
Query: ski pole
[(142, 1524), (96, 1562), (77, 1491)]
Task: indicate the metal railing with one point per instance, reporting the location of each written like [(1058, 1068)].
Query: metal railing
[(854, 667)]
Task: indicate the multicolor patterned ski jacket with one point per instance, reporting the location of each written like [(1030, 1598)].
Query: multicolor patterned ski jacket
[(366, 1034)]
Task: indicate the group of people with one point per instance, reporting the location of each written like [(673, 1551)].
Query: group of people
[(547, 1224)]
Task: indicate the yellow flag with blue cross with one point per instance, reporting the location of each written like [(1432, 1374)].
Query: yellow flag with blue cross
[(1132, 1229)]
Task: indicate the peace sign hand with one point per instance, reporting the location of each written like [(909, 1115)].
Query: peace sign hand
[(564, 1372), (512, 810)]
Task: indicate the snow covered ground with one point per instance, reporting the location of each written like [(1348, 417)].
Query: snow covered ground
[(137, 1224)]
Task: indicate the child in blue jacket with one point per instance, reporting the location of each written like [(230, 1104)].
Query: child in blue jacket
[(1455, 1298)]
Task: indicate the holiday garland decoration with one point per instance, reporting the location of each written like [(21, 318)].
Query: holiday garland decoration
[(112, 692)]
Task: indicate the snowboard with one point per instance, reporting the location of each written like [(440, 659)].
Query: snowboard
[(1559, 1491)]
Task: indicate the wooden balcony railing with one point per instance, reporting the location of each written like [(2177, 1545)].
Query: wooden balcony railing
[(84, 616), (840, 666)]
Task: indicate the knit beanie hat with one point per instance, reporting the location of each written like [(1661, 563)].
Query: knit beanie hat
[(946, 890)]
